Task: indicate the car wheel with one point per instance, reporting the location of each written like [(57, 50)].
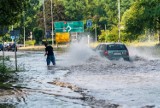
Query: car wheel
[(126, 59)]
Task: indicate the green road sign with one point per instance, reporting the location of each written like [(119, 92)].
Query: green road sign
[(69, 26)]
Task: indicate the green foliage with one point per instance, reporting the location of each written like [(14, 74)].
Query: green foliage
[(102, 37), (58, 14), (131, 20), (76, 8), (142, 15), (109, 35), (30, 42), (10, 10), (6, 73), (137, 16), (4, 69), (38, 33)]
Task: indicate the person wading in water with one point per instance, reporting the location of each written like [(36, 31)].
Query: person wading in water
[(50, 54)]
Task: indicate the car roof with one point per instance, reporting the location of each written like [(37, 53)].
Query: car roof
[(111, 43)]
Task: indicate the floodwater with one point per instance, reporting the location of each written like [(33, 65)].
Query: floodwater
[(103, 83), (37, 92)]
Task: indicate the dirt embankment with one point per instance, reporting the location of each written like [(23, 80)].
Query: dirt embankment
[(90, 100)]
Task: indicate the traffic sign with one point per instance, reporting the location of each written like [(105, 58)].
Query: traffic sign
[(48, 34), (15, 34), (69, 26), (12, 37), (89, 23)]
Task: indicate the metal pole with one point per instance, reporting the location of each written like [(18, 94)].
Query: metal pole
[(119, 19), (24, 29), (44, 18), (24, 36), (3, 47), (95, 33), (105, 32), (15, 54), (52, 22), (158, 32)]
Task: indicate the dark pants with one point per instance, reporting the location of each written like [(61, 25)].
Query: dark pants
[(50, 58)]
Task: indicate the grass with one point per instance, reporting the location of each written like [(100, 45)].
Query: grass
[(6, 73), (142, 44)]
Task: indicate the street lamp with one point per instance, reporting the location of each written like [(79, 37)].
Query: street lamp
[(52, 22), (119, 20), (24, 29), (44, 18)]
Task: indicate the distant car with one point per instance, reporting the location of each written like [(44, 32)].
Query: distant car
[(113, 51), (11, 47), (1, 47)]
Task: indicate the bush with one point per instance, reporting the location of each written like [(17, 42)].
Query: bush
[(109, 35), (30, 43), (7, 74)]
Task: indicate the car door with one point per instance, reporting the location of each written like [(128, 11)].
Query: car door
[(98, 49), (102, 49)]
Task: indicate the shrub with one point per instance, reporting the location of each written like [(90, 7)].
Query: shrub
[(30, 42)]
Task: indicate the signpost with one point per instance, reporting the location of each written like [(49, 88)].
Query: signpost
[(89, 23), (14, 35), (48, 34), (69, 26)]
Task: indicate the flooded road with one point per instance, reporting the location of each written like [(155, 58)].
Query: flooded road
[(37, 92), (102, 83)]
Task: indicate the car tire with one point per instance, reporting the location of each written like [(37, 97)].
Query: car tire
[(126, 59)]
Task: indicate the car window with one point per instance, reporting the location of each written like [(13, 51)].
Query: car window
[(116, 47), (101, 47), (97, 47)]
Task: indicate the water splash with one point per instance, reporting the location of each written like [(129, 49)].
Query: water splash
[(78, 53), (143, 53)]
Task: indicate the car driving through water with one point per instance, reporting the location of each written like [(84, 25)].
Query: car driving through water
[(113, 51)]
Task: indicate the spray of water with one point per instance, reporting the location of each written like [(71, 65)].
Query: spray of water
[(78, 53), (143, 53)]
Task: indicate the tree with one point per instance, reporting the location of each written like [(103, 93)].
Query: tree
[(58, 14), (10, 10), (142, 15), (38, 34)]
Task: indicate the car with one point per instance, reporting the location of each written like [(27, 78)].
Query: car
[(11, 47), (113, 51), (1, 47)]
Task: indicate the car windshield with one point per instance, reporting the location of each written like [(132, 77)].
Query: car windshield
[(116, 47)]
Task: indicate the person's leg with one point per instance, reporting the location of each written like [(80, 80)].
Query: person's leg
[(48, 60), (53, 60)]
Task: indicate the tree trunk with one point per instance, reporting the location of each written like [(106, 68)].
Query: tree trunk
[(159, 37)]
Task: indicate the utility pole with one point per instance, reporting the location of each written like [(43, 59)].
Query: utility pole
[(3, 44), (52, 22), (95, 33), (44, 18), (119, 20), (24, 29)]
